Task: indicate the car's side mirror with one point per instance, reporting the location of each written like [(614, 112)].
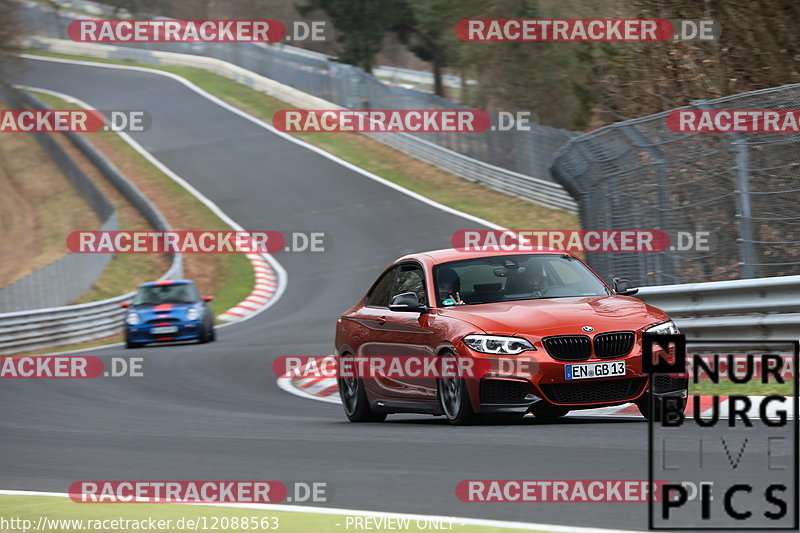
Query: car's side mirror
[(207, 298), (125, 305), (624, 287), (407, 302)]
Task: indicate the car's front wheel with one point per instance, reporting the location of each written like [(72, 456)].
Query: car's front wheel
[(130, 345), (454, 397), (355, 401), (206, 333)]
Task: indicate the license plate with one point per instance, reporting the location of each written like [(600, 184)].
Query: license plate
[(161, 330), (595, 370)]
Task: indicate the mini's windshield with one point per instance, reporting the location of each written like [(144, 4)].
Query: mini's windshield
[(514, 277), (184, 293)]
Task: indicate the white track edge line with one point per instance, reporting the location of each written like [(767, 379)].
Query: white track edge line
[(286, 384)]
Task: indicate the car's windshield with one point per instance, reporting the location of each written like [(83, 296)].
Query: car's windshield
[(514, 277), (183, 293)]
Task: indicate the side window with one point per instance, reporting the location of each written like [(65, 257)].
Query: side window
[(410, 279), (379, 295)]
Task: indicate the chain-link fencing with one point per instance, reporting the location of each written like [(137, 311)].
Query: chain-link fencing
[(743, 189)]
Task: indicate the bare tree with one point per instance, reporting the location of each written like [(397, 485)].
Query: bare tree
[(10, 30)]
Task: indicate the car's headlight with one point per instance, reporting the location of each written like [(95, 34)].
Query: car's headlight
[(499, 345), (132, 318), (667, 328), (192, 314)]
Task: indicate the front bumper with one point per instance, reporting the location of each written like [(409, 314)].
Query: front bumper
[(514, 384), (142, 333)]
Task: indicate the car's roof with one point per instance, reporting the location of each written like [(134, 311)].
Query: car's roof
[(166, 282), (445, 255)]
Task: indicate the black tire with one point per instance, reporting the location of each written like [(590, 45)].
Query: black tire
[(130, 345), (548, 411), (454, 399), (206, 333), (213, 335), (643, 404), (355, 402)]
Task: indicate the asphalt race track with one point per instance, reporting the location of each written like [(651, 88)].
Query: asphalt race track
[(215, 412)]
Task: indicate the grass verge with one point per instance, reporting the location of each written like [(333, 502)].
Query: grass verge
[(752, 388), (56, 513), (38, 208)]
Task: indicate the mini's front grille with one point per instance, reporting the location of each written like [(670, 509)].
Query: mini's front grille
[(606, 391), (503, 391), (162, 320), (616, 344), (568, 347)]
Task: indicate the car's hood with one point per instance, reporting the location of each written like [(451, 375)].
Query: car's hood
[(559, 316), (163, 311)]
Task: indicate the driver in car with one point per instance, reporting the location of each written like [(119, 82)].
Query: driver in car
[(535, 280), (449, 284)]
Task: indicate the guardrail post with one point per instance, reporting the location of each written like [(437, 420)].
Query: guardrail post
[(746, 249)]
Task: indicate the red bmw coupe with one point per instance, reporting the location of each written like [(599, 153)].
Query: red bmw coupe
[(542, 333)]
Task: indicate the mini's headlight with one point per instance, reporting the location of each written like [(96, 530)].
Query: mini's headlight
[(667, 328), (132, 318), (495, 344), (192, 314)]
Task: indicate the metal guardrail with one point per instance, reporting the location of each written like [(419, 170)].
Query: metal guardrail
[(533, 189), (745, 310), (46, 328), (56, 326)]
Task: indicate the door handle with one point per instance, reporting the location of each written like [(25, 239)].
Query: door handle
[(381, 320)]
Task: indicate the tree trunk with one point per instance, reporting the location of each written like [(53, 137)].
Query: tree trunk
[(438, 86)]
